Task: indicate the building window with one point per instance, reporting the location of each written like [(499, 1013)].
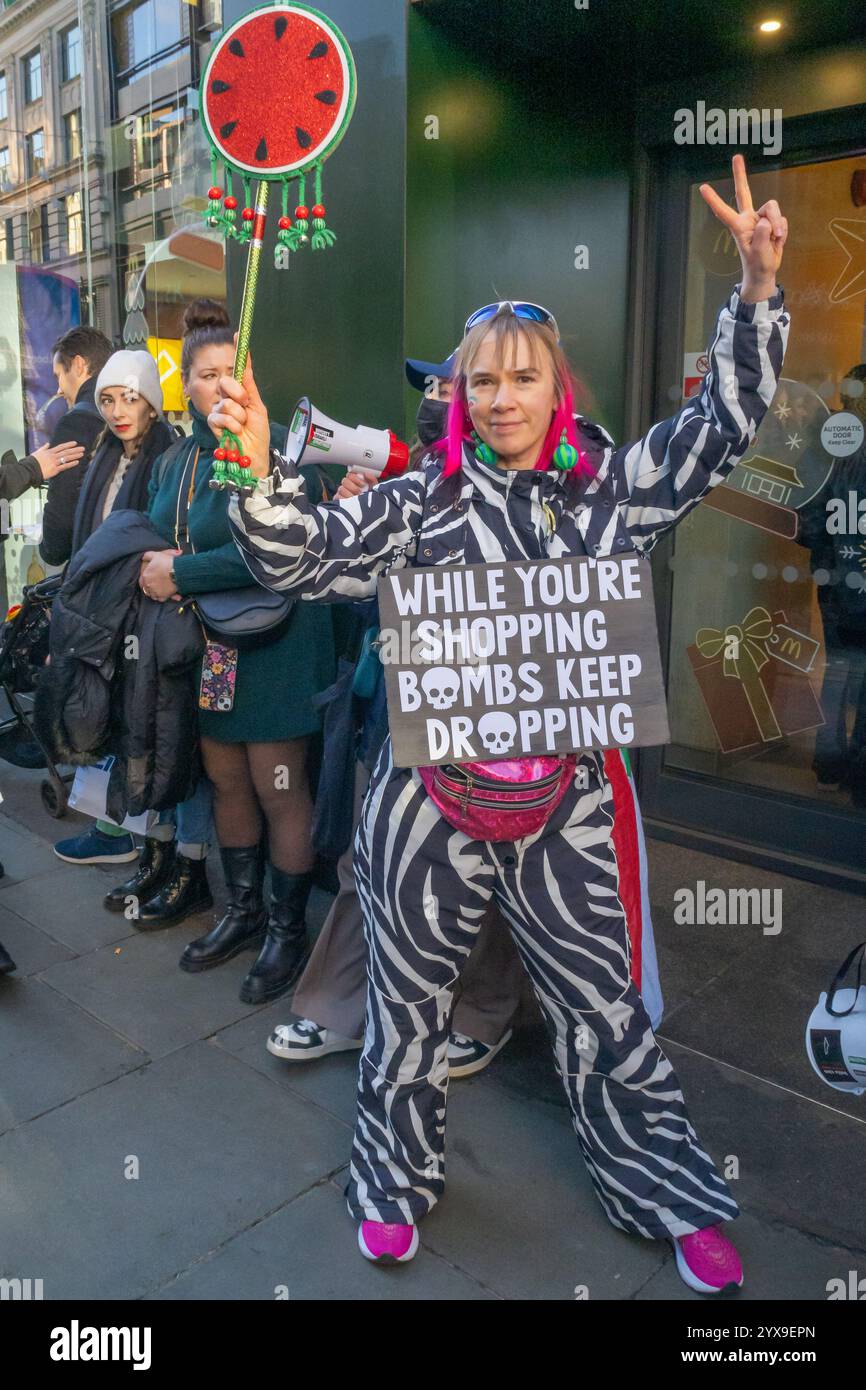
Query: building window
[(35, 147), (70, 53), (145, 34), (5, 180), (4, 106), (32, 68), (7, 241), (74, 224), (72, 136)]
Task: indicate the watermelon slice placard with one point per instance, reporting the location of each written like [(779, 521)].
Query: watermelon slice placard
[(278, 91)]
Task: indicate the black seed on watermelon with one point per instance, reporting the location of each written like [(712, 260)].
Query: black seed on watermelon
[(237, 48), (219, 87), (318, 51), (304, 138), (327, 97), (280, 26), (226, 130), (261, 149)]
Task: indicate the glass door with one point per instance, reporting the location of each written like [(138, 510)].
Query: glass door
[(763, 587)]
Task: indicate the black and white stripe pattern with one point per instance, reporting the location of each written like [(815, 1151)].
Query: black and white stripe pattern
[(424, 888), (338, 550)]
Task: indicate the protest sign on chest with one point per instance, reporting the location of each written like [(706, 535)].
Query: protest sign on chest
[(521, 658)]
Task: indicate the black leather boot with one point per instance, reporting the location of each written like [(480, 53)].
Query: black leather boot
[(186, 891), (244, 923), (285, 947), (7, 964), (155, 861)]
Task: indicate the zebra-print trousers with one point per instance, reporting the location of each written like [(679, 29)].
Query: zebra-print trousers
[(423, 888)]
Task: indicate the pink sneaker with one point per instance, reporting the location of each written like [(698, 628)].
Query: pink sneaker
[(386, 1243), (707, 1261)]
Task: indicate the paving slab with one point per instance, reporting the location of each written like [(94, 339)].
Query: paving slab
[(66, 903), (801, 1164), (31, 949), (22, 854), (754, 1014), (218, 1149), (519, 1213), (137, 988), (309, 1250), (52, 1051), (692, 956), (329, 1082)]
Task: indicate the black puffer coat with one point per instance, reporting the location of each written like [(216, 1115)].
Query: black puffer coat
[(124, 673)]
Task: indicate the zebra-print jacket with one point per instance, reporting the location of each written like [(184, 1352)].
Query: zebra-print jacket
[(338, 550)]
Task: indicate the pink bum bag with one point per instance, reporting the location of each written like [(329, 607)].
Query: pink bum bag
[(499, 800)]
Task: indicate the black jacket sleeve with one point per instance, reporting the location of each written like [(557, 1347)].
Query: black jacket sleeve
[(59, 512), (17, 475)]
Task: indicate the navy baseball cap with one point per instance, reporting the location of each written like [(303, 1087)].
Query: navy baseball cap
[(418, 372)]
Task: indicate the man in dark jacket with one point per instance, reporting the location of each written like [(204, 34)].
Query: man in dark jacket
[(79, 356)]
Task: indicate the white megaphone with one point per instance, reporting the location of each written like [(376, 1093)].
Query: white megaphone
[(315, 438)]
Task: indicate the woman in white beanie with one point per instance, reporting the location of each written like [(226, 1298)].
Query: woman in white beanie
[(129, 398)]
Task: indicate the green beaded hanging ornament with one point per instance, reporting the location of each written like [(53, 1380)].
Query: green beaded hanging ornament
[(565, 456), (322, 234)]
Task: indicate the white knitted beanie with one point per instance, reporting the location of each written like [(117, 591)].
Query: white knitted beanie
[(136, 371)]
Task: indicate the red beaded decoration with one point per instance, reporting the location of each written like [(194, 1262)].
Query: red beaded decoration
[(246, 461), (214, 192), (248, 214), (233, 456), (219, 454), (301, 212), (231, 203), (319, 210), (284, 224)]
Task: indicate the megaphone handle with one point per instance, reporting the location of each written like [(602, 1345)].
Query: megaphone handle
[(839, 977), (231, 471)]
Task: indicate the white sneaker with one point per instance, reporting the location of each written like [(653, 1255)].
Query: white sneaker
[(301, 1041), (466, 1056)]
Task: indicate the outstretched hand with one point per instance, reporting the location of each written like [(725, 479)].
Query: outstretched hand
[(760, 236), (242, 410)]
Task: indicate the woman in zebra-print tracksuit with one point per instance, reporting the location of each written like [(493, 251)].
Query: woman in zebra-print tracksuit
[(423, 884)]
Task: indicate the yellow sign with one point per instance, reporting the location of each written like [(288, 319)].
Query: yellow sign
[(166, 351)]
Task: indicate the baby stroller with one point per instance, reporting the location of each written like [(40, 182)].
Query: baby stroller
[(23, 649)]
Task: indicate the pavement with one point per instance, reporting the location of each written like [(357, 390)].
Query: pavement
[(151, 1148)]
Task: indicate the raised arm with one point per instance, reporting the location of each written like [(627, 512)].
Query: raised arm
[(333, 550), (660, 477)]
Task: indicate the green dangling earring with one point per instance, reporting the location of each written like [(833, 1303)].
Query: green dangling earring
[(565, 455), (483, 452)]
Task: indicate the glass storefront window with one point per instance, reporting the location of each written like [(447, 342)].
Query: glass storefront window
[(145, 34), (767, 679)]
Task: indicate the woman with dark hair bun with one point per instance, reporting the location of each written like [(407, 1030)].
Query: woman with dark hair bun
[(256, 715)]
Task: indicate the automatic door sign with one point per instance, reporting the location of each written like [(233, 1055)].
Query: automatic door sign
[(520, 659)]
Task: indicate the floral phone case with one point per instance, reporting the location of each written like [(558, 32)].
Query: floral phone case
[(219, 671)]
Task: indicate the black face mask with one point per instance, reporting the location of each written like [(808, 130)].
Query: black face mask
[(431, 420)]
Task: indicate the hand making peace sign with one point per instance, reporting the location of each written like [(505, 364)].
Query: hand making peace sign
[(760, 236)]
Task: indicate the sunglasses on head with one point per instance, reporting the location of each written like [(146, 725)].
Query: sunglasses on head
[(536, 313)]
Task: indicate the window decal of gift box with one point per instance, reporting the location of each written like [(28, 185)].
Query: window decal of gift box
[(753, 677)]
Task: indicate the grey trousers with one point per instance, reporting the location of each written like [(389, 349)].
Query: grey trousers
[(333, 988)]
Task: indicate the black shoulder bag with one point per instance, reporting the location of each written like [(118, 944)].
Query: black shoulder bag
[(242, 618)]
